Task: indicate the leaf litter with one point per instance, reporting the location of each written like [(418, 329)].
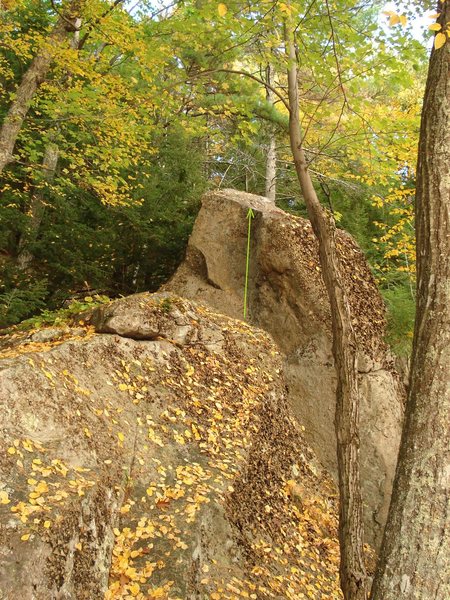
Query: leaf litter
[(208, 433)]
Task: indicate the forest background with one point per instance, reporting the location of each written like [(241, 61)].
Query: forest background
[(147, 106)]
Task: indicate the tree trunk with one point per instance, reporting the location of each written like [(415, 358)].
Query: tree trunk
[(36, 206), (352, 570), (415, 555), (271, 160), (33, 78), (271, 169)]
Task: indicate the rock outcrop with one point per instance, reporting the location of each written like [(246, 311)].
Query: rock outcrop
[(287, 298), (153, 455)]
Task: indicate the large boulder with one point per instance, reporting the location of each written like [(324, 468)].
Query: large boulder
[(287, 298), (155, 456)]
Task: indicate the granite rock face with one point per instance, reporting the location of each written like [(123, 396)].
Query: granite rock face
[(287, 298), (156, 457)]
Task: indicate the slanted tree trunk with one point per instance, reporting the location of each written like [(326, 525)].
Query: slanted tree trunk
[(352, 570), (36, 206), (271, 159), (32, 79), (415, 554)]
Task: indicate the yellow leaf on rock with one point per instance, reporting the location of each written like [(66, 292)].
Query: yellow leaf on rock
[(25, 537), (41, 487), (222, 9), (27, 444), (160, 592), (4, 498)]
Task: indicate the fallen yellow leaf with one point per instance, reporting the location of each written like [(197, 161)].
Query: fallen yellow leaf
[(4, 498)]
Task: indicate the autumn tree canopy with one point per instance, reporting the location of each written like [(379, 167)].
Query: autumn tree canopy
[(139, 107)]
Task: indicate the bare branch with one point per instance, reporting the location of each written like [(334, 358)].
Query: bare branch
[(333, 39), (96, 22), (63, 17)]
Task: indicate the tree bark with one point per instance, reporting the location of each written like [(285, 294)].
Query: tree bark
[(271, 169), (415, 554), (271, 160), (36, 206), (352, 570), (33, 78)]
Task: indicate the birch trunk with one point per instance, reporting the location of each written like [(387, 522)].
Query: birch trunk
[(415, 555), (352, 570)]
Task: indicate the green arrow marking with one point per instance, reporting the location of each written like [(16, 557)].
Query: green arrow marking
[(250, 216)]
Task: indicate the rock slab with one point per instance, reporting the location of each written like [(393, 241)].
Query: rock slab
[(156, 457), (287, 298)]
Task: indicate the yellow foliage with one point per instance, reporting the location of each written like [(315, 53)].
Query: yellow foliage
[(439, 40), (222, 9)]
